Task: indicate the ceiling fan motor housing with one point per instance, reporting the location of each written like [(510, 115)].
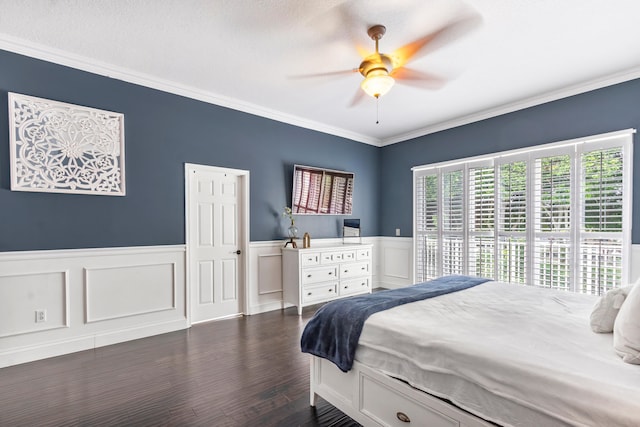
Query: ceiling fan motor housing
[(376, 61)]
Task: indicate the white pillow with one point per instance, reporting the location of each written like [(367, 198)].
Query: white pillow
[(606, 309), (626, 330)]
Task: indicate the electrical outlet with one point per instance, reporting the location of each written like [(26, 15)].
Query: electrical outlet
[(41, 316), (397, 232)]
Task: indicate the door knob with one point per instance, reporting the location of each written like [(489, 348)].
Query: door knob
[(238, 252)]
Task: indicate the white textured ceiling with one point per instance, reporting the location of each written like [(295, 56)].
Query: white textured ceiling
[(250, 54)]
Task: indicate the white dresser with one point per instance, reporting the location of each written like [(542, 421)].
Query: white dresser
[(324, 273)]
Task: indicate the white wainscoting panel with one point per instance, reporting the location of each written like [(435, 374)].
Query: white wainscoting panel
[(21, 295), (270, 273), (396, 262), (92, 297), (121, 291), (634, 271), (96, 297), (264, 288)]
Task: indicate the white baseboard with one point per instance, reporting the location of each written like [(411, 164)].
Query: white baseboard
[(136, 333), (16, 356)]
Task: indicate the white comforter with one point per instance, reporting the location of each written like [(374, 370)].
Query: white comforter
[(515, 355)]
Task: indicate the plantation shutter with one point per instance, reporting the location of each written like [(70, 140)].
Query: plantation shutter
[(453, 249), (512, 222), (601, 220), (427, 227), (556, 216), (481, 221), (552, 263)]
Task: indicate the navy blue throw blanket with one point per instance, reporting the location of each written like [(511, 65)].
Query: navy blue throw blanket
[(333, 332)]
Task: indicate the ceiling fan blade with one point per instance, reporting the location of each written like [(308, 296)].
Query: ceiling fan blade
[(363, 52), (450, 32), (358, 97), (325, 74), (339, 24), (417, 78)]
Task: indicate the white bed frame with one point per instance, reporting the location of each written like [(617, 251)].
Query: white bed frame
[(375, 399)]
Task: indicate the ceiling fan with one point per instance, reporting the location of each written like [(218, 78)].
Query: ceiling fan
[(381, 70), (377, 67)]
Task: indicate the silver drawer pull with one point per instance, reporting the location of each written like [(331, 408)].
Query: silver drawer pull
[(403, 417)]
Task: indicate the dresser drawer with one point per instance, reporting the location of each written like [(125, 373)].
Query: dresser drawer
[(354, 286), (349, 256), (319, 274), (319, 293), (392, 408), (354, 269), (330, 257), (312, 258), (363, 254)]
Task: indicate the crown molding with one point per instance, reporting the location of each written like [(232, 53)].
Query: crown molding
[(566, 92), (60, 57)]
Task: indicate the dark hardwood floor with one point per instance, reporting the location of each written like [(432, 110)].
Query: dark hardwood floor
[(246, 371)]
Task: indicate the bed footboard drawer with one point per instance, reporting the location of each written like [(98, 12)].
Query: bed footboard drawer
[(390, 407)]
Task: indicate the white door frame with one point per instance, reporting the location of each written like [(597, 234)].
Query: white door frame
[(243, 230)]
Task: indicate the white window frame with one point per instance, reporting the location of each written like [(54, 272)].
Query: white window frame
[(575, 148)]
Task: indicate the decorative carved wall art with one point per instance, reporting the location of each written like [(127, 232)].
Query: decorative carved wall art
[(65, 148)]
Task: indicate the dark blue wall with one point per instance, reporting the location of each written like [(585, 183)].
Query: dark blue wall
[(162, 132), (599, 111)]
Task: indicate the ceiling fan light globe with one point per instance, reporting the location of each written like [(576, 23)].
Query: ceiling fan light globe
[(377, 84)]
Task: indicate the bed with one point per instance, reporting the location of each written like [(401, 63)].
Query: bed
[(492, 354)]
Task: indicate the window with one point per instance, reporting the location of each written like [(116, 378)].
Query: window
[(555, 216)]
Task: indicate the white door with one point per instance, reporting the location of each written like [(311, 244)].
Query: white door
[(216, 242)]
